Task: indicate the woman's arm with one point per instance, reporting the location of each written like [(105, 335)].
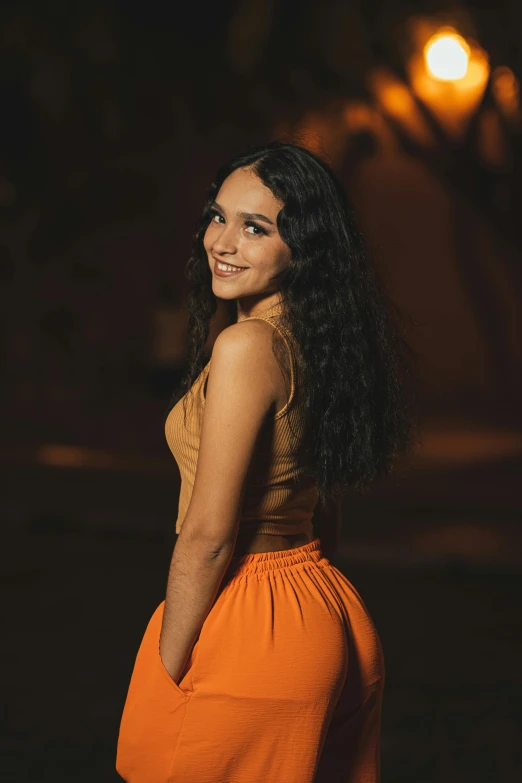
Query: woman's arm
[(195, 574), (327, 524), (241, 390)]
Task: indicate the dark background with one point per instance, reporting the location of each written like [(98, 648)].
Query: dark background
[(114, 118)]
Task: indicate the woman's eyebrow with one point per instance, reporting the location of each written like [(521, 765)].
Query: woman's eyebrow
[(247, 215)]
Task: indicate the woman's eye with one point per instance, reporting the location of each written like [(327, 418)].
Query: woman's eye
[(258, 229)]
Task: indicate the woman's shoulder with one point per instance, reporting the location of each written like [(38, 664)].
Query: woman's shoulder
[(248, 346), (251, 337)]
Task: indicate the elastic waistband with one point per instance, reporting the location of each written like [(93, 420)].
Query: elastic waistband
[(271, 561)]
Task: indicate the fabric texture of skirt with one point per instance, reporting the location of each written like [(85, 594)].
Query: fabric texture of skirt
[(283, 684)]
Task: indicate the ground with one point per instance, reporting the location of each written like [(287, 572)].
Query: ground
[(436, 557)]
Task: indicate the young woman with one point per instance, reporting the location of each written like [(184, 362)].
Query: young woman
[(262, 662)]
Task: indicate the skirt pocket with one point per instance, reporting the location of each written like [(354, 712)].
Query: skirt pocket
[(153, 713), (185, 686)]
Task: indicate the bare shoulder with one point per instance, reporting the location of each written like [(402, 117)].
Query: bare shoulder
[(247, 342), (251, 357)]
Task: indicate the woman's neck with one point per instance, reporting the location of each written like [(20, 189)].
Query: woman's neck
[(264, 307)]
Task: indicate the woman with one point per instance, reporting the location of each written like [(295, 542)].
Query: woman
[(263, 663)]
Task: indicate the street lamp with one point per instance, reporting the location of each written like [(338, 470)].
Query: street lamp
[(449, 75), (447, 56)]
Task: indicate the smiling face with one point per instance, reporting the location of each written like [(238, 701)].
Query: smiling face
[(243, 233)]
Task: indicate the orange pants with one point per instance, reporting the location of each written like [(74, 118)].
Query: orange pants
[(283, 684)]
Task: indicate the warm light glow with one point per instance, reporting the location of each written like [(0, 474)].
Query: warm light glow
[(451, 87), (447, 56), (360, 117), (397, 102), (506, 90)]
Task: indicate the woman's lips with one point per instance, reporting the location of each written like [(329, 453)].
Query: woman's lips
[(227, 273)]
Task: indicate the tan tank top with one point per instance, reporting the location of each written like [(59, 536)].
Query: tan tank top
[(278, 499)]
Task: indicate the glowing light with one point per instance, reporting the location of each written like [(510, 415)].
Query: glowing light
[(397, 101), (506, 89), (447, 56), (447, 72)]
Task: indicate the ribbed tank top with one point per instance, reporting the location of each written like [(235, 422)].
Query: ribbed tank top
[(279, 498)]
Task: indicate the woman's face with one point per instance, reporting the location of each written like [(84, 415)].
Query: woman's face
[(243, 233)]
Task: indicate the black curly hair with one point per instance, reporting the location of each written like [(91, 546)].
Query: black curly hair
[(360, 407)]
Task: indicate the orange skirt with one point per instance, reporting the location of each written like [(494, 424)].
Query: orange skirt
[(284, 683)]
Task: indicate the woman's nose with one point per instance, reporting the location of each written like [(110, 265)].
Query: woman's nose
[(225, 241)]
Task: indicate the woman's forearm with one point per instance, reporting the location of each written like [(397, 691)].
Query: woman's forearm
[(195, 574)]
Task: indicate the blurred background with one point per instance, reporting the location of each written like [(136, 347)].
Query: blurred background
[(114, 118)]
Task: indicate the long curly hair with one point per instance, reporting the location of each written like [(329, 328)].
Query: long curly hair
[(359, 404)]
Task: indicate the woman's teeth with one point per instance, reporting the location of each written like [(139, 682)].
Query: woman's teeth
[(228, 267)]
